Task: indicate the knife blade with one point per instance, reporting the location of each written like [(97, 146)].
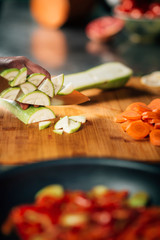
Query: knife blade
[(71, 99)]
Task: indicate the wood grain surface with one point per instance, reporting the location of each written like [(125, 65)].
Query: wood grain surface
[(100, 136)]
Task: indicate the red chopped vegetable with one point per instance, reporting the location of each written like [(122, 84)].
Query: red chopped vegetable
[(100, 214)]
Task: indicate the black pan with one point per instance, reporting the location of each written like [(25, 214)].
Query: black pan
[(19, 185)]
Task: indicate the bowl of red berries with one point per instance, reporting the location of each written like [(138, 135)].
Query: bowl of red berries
[(142, 19)]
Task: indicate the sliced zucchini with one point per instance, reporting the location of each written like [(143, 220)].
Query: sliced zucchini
[(139, 199), (58, 83), (36, 78), (72, 126), (80, 118), (20, 78), (10, 93), (47, 87), (27, 87), (54, 190), (10, 73), (61, 123), (105, 76), (67, 125), (35, 98), (43, 125), (58, 131), (30, 115), (66, 89)]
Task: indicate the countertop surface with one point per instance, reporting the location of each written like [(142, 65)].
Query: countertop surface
[(68, 50)]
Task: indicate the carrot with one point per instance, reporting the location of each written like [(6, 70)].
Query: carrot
[(50, 13), (140, 120), (131, 115), (138, 130), (146, 115), (151, 127), (120, 119), (155, 104), (155, 137), (124, 125), (140, 108), (157, 111), (135, 104), (154, 121), (157, 125)]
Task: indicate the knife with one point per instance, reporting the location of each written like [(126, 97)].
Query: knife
[(73, 98), (59, 100)]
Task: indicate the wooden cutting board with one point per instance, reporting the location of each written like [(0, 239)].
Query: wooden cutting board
[(100, 136)]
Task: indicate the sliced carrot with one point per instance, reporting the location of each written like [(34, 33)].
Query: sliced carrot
[(140, 120), (157, 111), (150, 121), (151, 127), (155, 104), (120, 119), (124, 125), (146, 115), (155, 137), (131, 115), (141, 108), (157, 125), (153, 121), (138, 130), (135, 104)]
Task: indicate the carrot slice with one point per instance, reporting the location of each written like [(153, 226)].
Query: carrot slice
[(120, 119), (151, 127), (124, 125), (155, 137), (157, 125), (131, 115), (155, 104), (135, 104), (138, 130), (146, 115), (141, 108), (157, 111), (153, 121)]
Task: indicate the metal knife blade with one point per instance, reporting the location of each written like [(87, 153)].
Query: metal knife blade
[(73, 98)]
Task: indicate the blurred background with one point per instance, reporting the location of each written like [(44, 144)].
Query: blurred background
[(70, 36)]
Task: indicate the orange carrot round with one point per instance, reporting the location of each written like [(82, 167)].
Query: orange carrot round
[(152, 115), (141, 108), (124, 125), (155, 104), (138, 130), (120, 119), (131, 115), (151, 127), (157, 125), (155, 137), (135, 104), (157, 111)]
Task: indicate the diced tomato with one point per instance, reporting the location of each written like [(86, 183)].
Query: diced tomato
[(78, 216)]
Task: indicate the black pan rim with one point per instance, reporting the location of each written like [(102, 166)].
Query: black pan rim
[(87, 161)]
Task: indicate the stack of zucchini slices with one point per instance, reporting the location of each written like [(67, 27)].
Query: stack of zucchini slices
[(34, 89)]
